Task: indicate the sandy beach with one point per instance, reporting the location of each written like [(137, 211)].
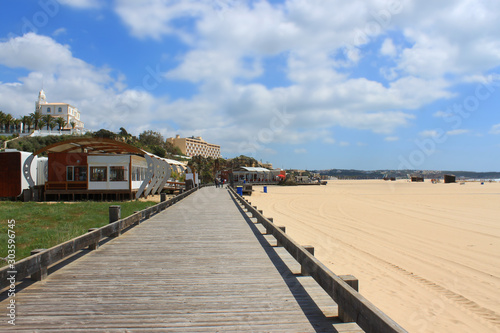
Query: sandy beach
[(426, 254)]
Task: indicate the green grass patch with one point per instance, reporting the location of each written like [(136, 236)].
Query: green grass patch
[(43, 225)]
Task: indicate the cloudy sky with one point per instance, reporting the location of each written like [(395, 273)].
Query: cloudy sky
[(310, 84)]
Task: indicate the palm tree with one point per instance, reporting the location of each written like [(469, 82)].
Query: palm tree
[(47, 119), (41, 123), (73, 124), (52, 124), (17, 124), (8, 119), (61, 122), (36, 116), (2, 118), (28, 122), (23, 121)]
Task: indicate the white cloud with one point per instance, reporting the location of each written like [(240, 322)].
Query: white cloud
[(329, 140), (300, 151), (60, 31), (457, 132), (442, 114), (449, 37), (152, 18), (391, 138), (344, 144), (81, 3), (495, 129), (388, 48), (429, 133)]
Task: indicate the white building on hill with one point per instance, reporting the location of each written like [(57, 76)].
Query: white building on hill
[(59, 110)]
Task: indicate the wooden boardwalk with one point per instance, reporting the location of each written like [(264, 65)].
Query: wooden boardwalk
[(199, 266)]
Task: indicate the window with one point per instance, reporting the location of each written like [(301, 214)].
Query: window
[(76, 173), (117, 173), (138, 173), (135, 173), (60, 110), (48, 110), (98, 174), (80, 173), (69, 173)]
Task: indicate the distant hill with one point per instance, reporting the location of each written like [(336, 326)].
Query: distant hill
[(427, 174)]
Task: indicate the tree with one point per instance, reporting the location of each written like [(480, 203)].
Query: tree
[(36, 116), (41, 123), (73, 124), (52, 124), (17, 124), (8, 119), (204, 166), (151, 138), (47, 119), (123, 132), (2, 118), (28, 121), (103, 133), (61, 122), (158, 151)]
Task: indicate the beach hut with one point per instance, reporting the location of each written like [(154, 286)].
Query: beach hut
[(449, 179), (417, 179), (13, 184)]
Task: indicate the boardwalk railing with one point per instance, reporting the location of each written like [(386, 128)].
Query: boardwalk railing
[(351, 304), (36, 265)]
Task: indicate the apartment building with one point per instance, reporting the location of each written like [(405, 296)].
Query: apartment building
[(194, 146)]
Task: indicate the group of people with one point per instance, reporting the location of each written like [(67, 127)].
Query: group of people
[(219, 182)]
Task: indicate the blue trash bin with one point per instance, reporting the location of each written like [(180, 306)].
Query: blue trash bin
[(265, 189), (239, 190)]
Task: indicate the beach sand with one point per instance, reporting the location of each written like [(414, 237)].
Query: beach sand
[(428, 255)]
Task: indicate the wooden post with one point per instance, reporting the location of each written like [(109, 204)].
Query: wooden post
[(140, 217), (115, 215), (353, 283), (42, 273), (309, 249), (282, 228), (94, 246), (163, 196)]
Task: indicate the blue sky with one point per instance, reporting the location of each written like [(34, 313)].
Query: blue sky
[(300, 83)]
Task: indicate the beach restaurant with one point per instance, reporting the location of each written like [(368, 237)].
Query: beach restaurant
[(97, 168), (257, 175)]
